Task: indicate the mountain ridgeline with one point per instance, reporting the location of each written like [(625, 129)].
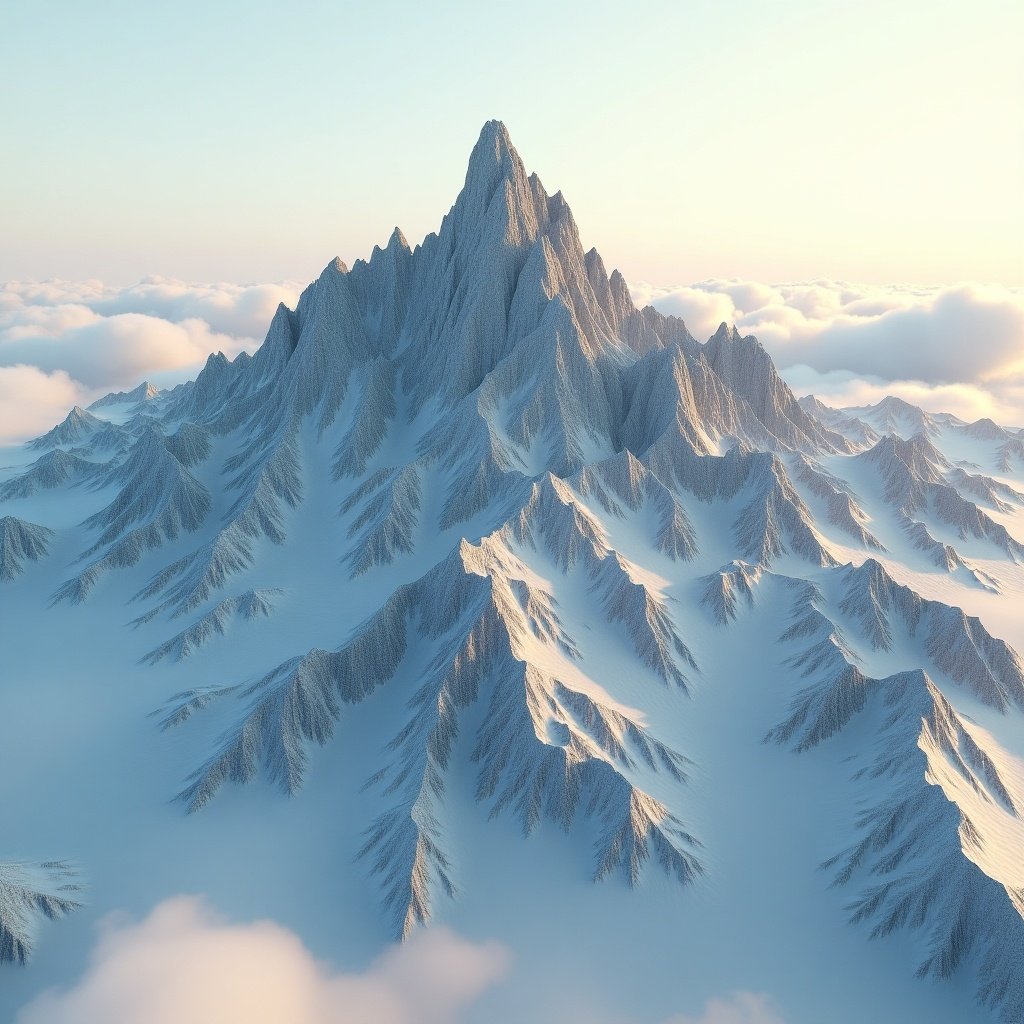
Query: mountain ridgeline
[(549, 508)]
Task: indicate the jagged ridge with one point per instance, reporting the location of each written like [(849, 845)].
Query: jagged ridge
[(28, 894)]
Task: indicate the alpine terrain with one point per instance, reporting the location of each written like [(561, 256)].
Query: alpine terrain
[(479, 596)]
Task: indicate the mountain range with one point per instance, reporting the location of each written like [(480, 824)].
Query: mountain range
[(472, 544)]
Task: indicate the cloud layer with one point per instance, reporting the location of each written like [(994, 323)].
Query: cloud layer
[(64, 343), (186, 963), (738, 1008), (958, 349)]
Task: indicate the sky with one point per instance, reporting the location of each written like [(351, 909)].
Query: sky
[(214, 140), (842, 180)]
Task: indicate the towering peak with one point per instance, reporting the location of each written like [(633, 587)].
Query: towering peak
[(494, 156), (720, 336), (726, 335), (594, 264), (216, 361), (396, 244), (495, 169), (397, 240), (621, 299)]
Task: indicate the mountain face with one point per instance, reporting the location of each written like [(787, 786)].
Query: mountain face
[(467, 497)]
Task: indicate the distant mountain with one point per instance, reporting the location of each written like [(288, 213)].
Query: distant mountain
[(76, 427), (145, 392), (468, 489)]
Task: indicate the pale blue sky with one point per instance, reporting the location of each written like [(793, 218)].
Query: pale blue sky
[(875, 141)]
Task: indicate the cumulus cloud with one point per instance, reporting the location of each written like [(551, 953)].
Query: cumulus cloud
[(738, 1008), (186, 963), (114, 351), (962, 334), (958, 349), (70, 342), (702, 310), (242, 311), (239, 310)]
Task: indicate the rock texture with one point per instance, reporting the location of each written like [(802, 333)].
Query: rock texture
[(21, 542)]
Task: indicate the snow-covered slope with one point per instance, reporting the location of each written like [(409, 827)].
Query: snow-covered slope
[(21, 542), (523, 558), (29, 893)]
